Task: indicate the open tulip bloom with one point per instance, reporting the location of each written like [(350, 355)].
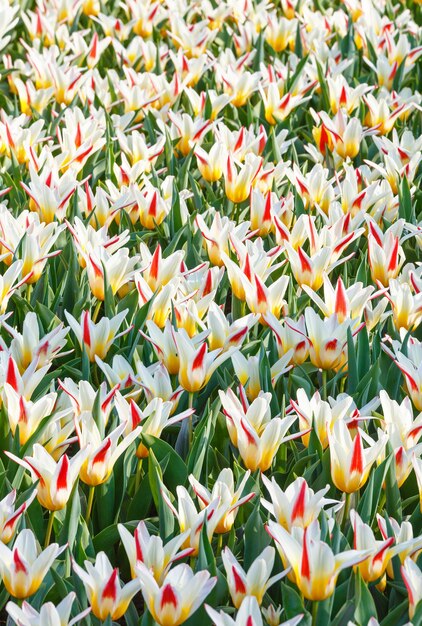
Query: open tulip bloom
[(210, 312)]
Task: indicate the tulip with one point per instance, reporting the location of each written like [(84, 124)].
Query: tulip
[(317, 414), (262, 299), (103, 452), (164, 344), (289, 335), (249, 613), (217, 236), (49, 615), (83, 397), (238, 181), (24, 567), (224, 335), (417, 466), (211, 165), (229, 499), (191, 520), (197, 365), (27, 346), (102, 585), (9, 516), (385, 255), (178, 597), (25, 414), (298, 505), (350, 461), (96, 338), (412, 578), (24, 384), (410, 546), (411, 366), (118, 268), (406, 306), (149, 549), (151, 421), (55, 479), (252, 430), (381, 552), (253, 583), (327, 338), (315, 566), (9, 283), (403, 431), (159, 271), (345, 303)]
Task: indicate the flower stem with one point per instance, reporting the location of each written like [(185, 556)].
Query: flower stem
[(96, 311), (49, 529), (138, 475), (219, 543), (190, 424), (346, 512), (314, 612), (89, 505), (324, 384)]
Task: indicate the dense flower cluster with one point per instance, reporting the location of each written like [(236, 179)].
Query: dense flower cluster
[(210, 312)]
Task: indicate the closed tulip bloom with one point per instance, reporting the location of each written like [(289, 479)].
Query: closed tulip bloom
[(96, 338), (211, 164), (315, 566), (385, 254), (102, 584), (150, 549), (48, 615), (103, 451), (9, 516), (255, 581), (411, 366), (381, 551), (229, 498), (55, 479), (24, 567), (224, 335), (164, 344), (298, 505), (412, 577), (317, 414), (404, 433), (327, 338), (178, 597), (197, 365), (351, 462), (217, 236), (26, 414), (239, 179), (410, 546), (256, 435)]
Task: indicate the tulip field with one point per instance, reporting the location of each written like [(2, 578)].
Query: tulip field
[(210, 312)]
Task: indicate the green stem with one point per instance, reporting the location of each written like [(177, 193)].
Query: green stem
[(28, 293), (49, 529), (324, 384), (138, 475), (190, 424), (346, 512), (314, 612), (219, 543), (89, 505), (96, 311)]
